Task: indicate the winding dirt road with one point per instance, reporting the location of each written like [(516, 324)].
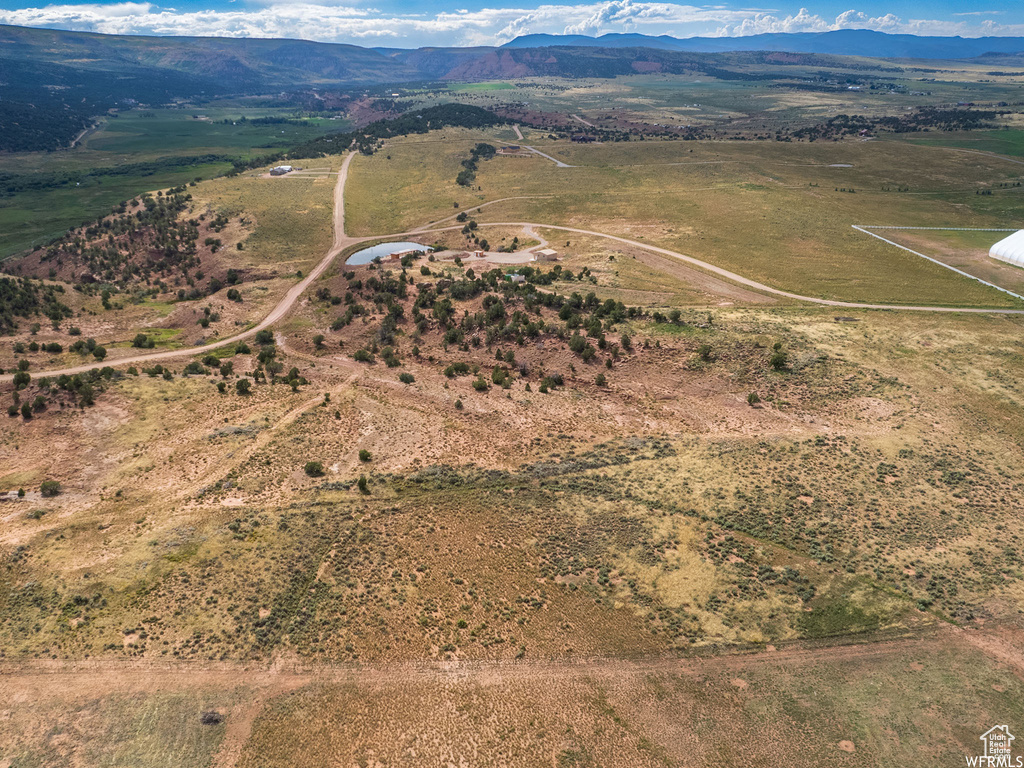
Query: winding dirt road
[(343, 241), (726, 273)]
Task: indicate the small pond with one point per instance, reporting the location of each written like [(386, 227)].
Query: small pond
[(382, 250)]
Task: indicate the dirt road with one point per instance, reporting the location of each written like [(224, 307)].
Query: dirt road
[(341, 241), (65, 682), (554, 160), (731, 275)]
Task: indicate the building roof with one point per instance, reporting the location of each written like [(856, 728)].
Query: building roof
[(1010, 249), (548, 252)]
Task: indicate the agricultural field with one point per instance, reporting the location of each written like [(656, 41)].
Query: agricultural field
[(652, 503), (161, 148), (743, 105)]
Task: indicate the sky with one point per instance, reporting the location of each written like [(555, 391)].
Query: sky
[(406, 24)]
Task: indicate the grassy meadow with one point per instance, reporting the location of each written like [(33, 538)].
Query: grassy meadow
[(779, 213)]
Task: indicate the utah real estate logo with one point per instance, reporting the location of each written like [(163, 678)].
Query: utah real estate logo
[(998, 743)]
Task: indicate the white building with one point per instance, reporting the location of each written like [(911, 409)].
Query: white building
[(280, 170), (546, 254), (1010, 249)]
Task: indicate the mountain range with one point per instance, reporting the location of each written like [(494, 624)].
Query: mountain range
[(842, 42)]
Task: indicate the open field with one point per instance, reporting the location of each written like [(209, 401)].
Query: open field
[(776, 212), (1004, 142), (965, 250), (626, 511), (881, 473), (830, 706)]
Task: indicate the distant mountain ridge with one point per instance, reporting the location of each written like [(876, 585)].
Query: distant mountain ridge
[(52, 82), (842, 42)]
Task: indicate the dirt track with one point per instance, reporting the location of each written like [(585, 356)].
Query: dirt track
[(67, 681), (731, 275), (342, 241)]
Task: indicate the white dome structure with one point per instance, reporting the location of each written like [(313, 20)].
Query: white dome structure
[(1010, 249)]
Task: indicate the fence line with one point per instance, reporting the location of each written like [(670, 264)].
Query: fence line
[(936, 261)]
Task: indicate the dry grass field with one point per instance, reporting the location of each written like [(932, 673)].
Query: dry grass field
[(628, 513), (779, 213)]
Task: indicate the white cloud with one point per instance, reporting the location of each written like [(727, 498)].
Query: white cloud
[(340, 21)]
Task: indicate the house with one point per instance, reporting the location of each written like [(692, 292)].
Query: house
[(516, 278), (280, 170), (546, 254)]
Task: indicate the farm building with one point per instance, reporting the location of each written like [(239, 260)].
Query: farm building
[(1010, 249), (280, 170), (546, 254)]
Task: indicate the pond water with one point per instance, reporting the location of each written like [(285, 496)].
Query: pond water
[(382, 250)]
